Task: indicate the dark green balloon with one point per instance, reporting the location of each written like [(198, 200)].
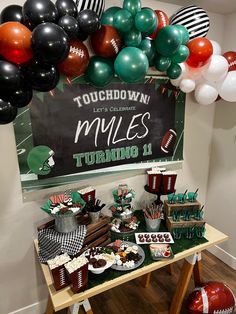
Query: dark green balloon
[(162, 63), (108, 16), (147, 46), (168, 40), (174, 71), (133, 6), (133, 38), (100, 71), (131, 65), (123, 20), (181, 54), (184, 33), (146, 20)]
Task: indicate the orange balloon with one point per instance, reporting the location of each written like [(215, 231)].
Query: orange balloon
[(77, 61), (201, 50), (15, 42)]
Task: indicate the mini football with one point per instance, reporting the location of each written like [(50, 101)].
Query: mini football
[(212, 298), (106, 42), (168, 141)]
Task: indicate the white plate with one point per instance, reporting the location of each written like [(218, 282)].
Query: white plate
[(156, 233)]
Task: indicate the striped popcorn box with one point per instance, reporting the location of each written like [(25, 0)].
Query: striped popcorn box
[(58, 271), (87, 193), (154, 180), (78, 273), (168, 182)]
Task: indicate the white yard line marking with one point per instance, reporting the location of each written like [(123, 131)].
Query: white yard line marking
[(181, 135), (24, 140), (22, 113)]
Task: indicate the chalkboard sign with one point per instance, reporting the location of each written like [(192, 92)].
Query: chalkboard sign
[(90, 128)]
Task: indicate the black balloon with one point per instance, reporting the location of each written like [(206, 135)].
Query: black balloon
[(11, 13), (50, 43), (11, 78), (43, 77), (7, 112), (66, 7), (88, 21), (39, 11), (81, 36), (20, 98), (70, 25)]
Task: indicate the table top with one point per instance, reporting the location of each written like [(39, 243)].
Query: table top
[(65, 297)]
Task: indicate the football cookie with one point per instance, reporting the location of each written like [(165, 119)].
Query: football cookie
[(168, 141)]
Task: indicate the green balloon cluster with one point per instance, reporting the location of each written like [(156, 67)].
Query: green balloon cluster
[(170, 44), (135, 24)]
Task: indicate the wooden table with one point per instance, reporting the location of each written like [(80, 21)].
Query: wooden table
[(192, 264)]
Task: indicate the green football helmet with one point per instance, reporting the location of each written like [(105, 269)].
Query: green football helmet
[(40, 160)]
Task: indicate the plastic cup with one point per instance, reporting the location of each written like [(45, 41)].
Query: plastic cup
[(181, 197), (192, 196)]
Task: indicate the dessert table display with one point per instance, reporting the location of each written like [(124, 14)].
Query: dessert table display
[(103, 259)]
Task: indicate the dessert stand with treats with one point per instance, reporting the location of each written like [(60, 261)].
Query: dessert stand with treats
[(124, 222)]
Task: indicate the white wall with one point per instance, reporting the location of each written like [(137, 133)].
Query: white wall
[(221, 208), (21, 282)]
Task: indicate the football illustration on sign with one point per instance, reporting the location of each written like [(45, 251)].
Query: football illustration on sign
[(168, 141)]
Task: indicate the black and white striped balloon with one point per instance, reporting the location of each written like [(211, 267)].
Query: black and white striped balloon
[(195, 19), (94, 5)]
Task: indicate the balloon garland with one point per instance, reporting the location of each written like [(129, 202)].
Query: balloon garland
[(40, 40)]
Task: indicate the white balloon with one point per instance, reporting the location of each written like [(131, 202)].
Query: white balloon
[(227, 89), (216, 47), (176, 82), (194, 73), (216, 69), (205, 94), (187, 85)]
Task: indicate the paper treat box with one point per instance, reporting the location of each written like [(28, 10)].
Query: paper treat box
[(154, 180), (58, 271), (77, 271), (87, 193)]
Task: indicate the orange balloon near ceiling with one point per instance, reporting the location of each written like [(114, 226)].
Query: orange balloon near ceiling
[(15, 42)]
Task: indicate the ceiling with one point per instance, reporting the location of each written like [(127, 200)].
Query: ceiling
[(218, 6)]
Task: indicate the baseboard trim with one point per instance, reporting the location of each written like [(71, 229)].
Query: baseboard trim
[(35, 308), (224, 256)]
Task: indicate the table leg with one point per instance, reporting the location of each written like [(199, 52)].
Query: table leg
[(74, 309), (182, 285), (49, 309), (146, 280), (197, 271), (170, 269)]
